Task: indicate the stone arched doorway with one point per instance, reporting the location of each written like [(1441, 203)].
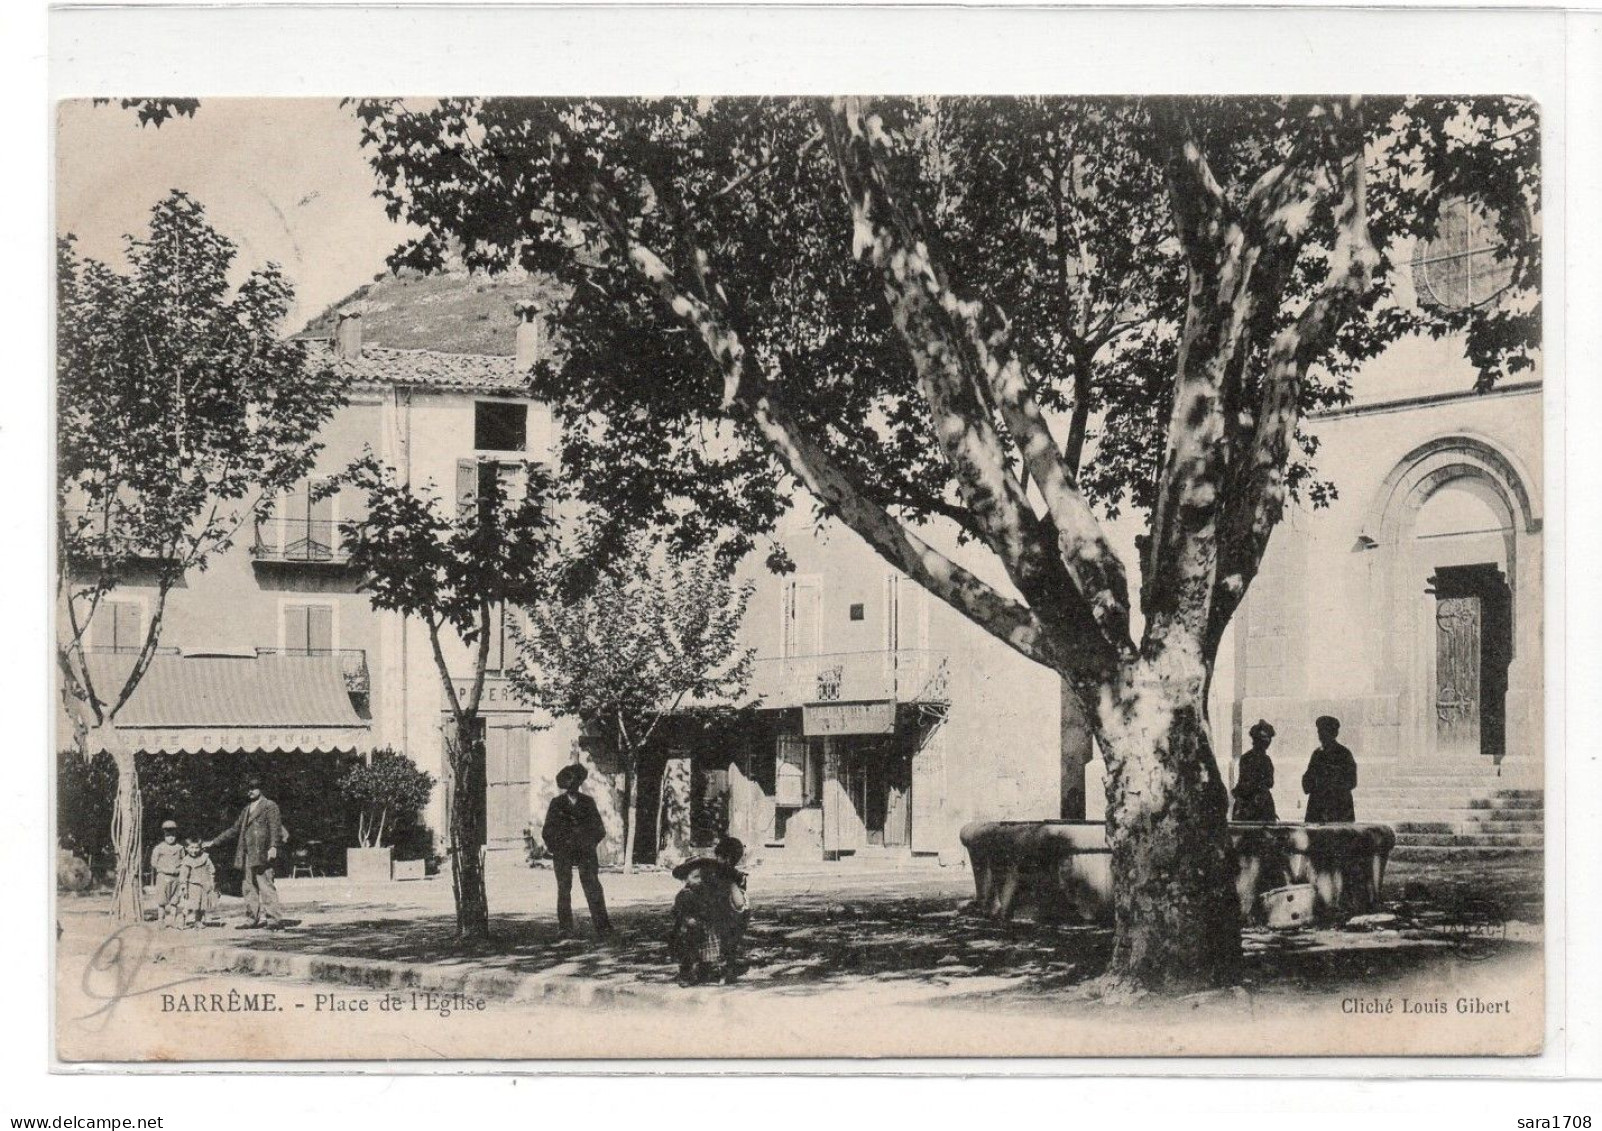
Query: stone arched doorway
[(1454, 538)]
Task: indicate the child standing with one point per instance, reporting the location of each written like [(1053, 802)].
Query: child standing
[(197, 885), (166, 858), (710, 914)]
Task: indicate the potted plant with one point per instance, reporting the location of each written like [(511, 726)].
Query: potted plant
[(385, 790)]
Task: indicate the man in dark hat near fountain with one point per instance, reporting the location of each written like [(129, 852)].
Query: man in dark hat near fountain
[(572, 830)]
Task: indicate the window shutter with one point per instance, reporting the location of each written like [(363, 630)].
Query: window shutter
[(127, 629), (320, 510), (296, 635), (466, 487), (320, 628)]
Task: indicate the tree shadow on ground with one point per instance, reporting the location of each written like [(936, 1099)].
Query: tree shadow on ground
[(813, 941)]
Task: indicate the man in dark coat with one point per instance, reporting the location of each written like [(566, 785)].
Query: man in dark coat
[(1330, 778), (572, 830), (257, 832)]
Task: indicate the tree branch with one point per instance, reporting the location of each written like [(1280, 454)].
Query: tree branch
[(1257, 491), (1009, 621), (1079, 578)]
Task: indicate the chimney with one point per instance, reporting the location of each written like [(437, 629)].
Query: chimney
[(530, 335), (348, 335)]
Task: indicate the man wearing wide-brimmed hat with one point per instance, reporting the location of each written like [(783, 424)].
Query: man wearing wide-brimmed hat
[(572, 830)]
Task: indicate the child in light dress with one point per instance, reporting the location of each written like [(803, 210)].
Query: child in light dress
[(197, 885)]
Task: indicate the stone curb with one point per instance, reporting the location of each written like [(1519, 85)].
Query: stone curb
[(385, 974)]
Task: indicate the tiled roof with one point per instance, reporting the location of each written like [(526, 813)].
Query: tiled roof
[(426, 369)]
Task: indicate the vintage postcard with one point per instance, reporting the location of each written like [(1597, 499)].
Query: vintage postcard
[(567, 578)]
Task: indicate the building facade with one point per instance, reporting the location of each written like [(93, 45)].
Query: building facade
[(881, 720), (1411, 609), (273, 649)]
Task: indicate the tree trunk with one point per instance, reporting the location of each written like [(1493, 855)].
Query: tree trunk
[(1173, 867), (467, 836), (631, 781), (127, 841)]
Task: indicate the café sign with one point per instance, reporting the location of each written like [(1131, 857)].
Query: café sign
[(824, 719)]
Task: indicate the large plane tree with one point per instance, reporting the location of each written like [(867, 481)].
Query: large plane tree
[(1008, 318)]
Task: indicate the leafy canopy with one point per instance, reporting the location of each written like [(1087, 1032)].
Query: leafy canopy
[(1050, 213), (181, 410), (449, 563), (652, 634)]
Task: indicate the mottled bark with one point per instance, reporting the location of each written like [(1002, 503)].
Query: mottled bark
[(1177, 919), (467, 835), (127, 841), (1220, 488)]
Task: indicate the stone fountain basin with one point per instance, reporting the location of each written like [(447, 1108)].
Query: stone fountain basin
[(1062, 870)]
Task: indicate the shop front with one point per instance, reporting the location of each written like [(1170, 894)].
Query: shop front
[(841, 775)]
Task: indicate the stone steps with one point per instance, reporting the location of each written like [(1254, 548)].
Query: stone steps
[(1391, 797), (1471, 840), (1434, 853), (1440, 815), (1430, 824), (1472, 821)]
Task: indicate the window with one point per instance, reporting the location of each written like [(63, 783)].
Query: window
[(1462, 265), (499, 426), (308, 629), (476, 478), (308, 530), (858, 612), (123, 625)]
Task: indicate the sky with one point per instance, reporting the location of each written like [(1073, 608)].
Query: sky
[(285, 179)]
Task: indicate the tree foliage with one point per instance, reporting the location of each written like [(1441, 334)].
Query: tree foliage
[(1052, 216), (181, 414), (1013, 317), (386, 789), (456, 566), (652, 636)]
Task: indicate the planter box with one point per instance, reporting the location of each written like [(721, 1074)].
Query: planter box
[(410, 869), (368, 863), (1061, 870)]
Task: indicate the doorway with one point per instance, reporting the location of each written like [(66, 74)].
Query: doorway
[(1473, 648), (877, 778)]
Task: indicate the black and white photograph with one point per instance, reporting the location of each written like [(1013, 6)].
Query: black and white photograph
[(834, 575)]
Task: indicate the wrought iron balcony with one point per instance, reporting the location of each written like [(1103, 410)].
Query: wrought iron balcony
[(314, 541), (907, 675), (352, 664)]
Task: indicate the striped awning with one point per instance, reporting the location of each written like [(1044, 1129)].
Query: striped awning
[(223, 704)]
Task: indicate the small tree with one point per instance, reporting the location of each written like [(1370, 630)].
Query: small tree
[(181, 414), (649, 637), (455, 573), (384, 790)]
